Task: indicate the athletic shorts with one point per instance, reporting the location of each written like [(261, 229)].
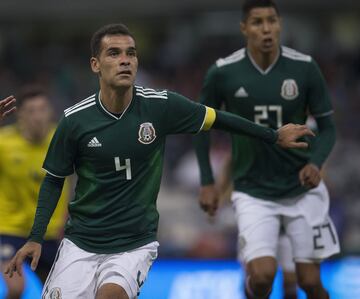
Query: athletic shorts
[(304, 218), (78, 274), (9, 245)]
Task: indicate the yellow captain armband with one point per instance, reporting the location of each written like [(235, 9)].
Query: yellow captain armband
[(209, 120)]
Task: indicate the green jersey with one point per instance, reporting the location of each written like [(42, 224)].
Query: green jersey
[(118, 161), (286, 92)]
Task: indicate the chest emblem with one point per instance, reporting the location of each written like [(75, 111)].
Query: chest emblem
[(147, 133), (289, 89)]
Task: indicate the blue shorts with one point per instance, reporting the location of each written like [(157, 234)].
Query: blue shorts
[(9, 245)]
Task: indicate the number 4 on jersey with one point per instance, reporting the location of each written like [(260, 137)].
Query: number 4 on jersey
[(126, 167)]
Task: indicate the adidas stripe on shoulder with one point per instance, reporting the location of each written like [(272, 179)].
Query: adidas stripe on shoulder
[(150, 93), (295, 55), (234, 57), (88, 102)]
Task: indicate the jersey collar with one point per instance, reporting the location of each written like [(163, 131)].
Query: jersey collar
[(261, 71), (102, 107)]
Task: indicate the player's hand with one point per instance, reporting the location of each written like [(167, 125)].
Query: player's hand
[(7, 107), (209, 199), (30, 249), (290, 133), (310, 176)]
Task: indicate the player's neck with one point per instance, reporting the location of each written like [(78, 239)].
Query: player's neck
[(116, 101), (263, 60)]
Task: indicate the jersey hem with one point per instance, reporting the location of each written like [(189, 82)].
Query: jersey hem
[(111, 249), (263, 196)]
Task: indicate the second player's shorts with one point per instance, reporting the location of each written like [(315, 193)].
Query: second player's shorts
[(304, 218), (78, 274)]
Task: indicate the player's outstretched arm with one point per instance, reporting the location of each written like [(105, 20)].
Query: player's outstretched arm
[(31, 250), (7, 107), (286, 137)]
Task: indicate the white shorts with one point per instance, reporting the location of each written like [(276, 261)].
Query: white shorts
[(305, 220), (78, 274)]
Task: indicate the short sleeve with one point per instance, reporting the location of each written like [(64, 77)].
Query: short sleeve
[(183, 115), (59, 160), (209, 91), (318, 95)]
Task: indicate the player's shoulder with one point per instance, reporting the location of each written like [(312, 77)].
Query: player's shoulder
[(234, 57), (294, 55), (148, 93), (80, 106)]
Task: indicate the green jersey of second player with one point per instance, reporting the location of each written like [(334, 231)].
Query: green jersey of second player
[(286, 92), (118, 160)]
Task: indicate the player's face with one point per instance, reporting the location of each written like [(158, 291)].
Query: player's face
[(117, 62), (262, 29), (34, 116)]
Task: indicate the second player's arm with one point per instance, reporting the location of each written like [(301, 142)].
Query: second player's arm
[(310, 175), (320, 107)]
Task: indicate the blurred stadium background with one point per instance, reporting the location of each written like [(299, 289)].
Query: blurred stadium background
[(48, 42)]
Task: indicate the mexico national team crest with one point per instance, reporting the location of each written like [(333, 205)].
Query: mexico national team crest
[(289, 89), (55, 293), (147, 133)]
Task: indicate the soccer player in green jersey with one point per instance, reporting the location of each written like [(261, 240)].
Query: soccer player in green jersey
[(273, 188), (114, 140)]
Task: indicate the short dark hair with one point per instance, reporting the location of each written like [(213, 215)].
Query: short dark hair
[(250, 4), (28, 92), (110, 29)]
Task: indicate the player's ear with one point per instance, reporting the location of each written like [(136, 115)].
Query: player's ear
[(94, 62)]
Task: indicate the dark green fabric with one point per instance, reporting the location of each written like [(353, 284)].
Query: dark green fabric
[(231, 123), (241, 126), (119, 163), (49, 195), (202, 148), (324, 141)]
